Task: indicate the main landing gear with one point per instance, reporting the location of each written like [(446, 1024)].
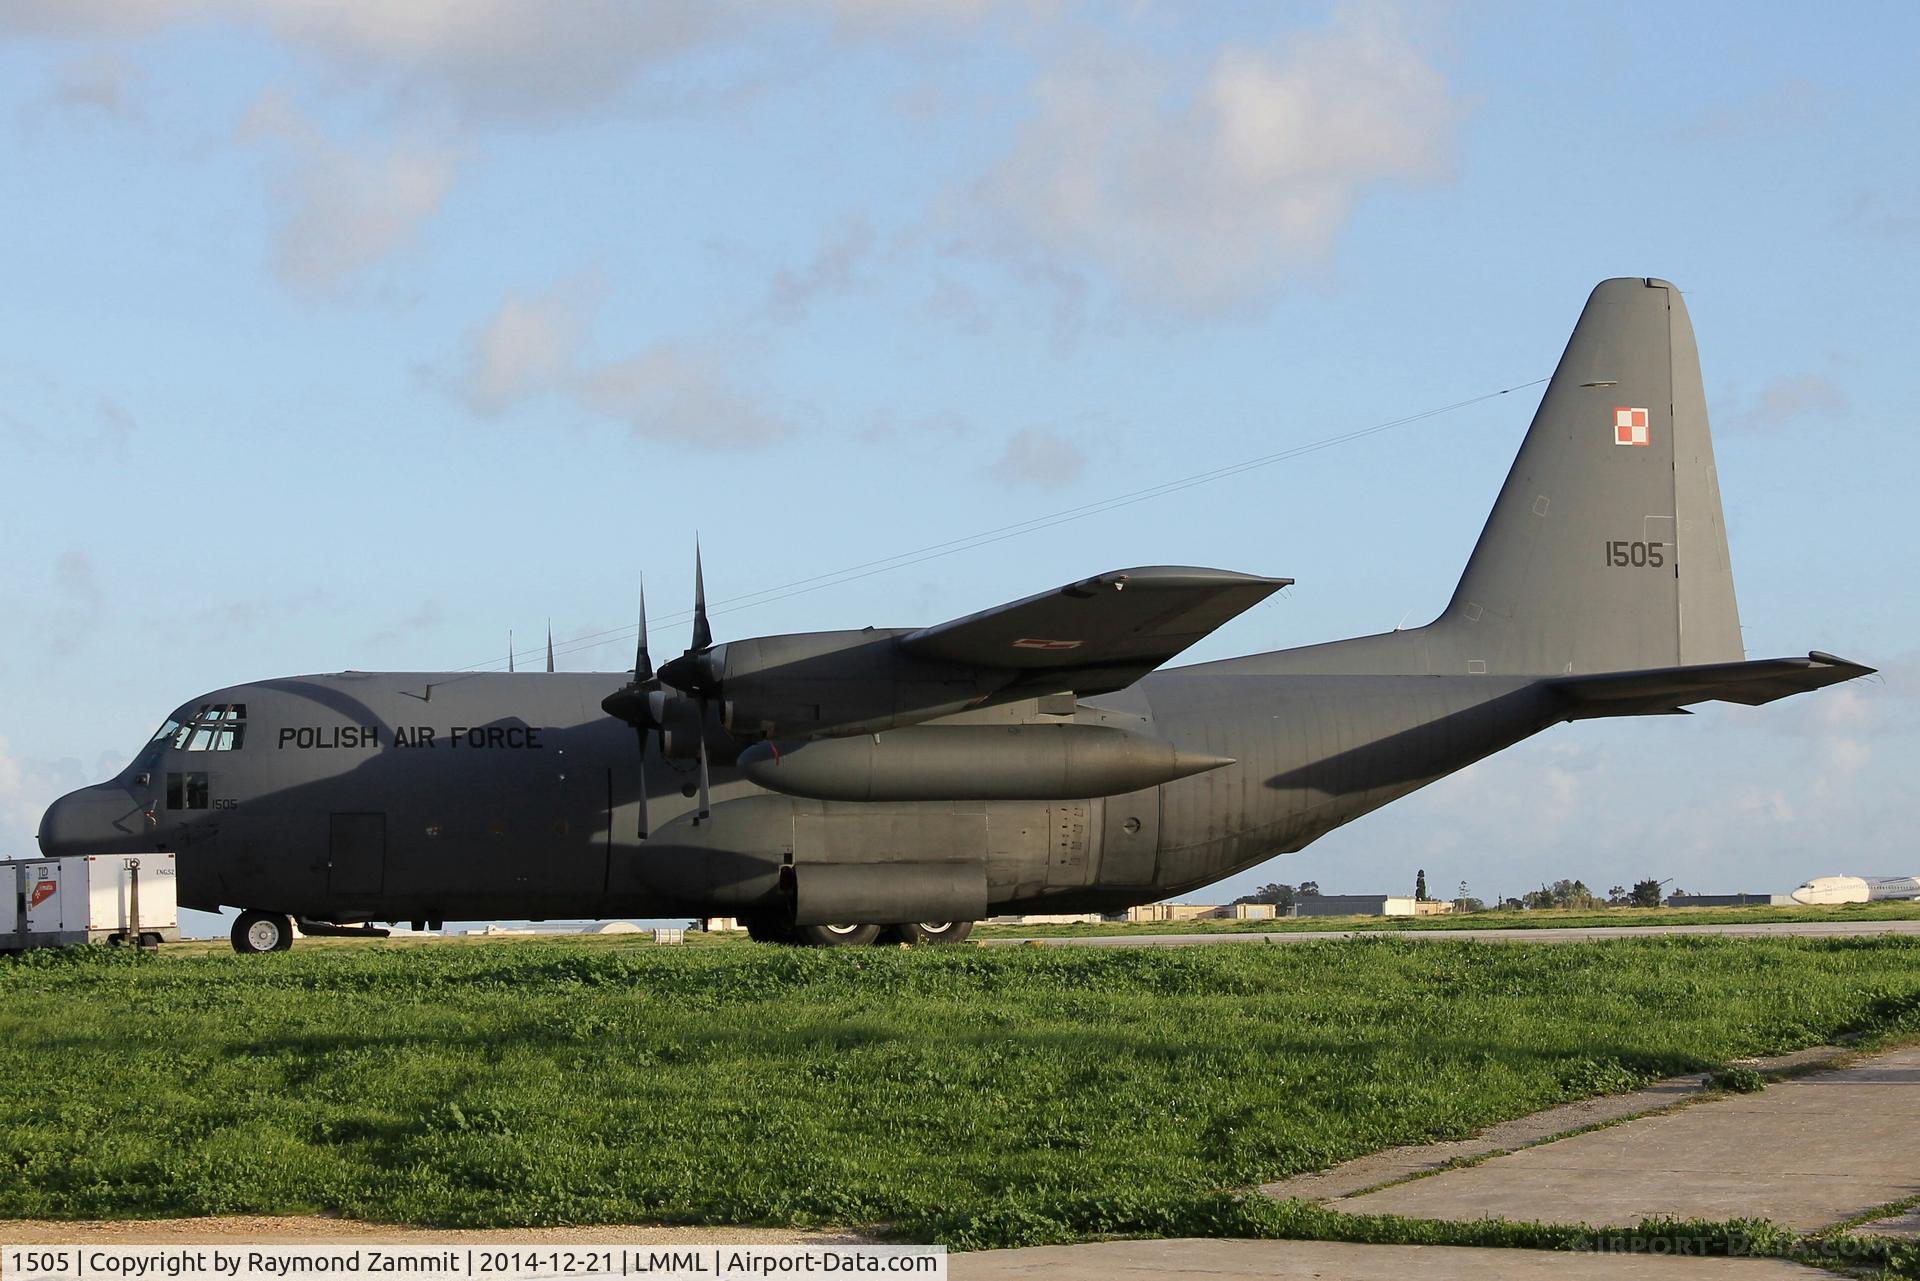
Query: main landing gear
[(766, 930)]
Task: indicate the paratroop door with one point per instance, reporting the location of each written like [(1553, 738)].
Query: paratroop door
[(357, 854)]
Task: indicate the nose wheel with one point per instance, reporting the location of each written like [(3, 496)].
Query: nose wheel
[(256, 932)]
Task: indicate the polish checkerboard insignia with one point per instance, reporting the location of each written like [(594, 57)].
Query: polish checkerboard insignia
[(1630, 426)]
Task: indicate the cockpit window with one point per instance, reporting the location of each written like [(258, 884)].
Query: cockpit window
[(215, 727)]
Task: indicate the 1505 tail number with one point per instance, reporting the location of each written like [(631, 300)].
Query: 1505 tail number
[(1622, 554)]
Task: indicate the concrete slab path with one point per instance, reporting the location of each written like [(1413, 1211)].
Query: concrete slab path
[(1214, 1260), (1805, 1153)]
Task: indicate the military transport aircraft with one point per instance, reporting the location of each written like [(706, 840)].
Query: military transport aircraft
[(838, 787)]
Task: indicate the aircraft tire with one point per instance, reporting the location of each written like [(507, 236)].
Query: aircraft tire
[(257, 932), (918, 932), (835, 935)]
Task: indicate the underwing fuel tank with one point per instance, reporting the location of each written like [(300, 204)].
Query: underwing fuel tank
[(973, 762)]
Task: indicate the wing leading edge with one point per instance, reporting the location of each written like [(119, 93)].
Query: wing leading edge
[(1112, 628)]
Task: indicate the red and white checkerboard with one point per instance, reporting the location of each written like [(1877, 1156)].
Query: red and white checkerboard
[(1630, 426)]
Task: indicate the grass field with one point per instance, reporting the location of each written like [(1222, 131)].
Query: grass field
[(1551, 918), (972, 1096)]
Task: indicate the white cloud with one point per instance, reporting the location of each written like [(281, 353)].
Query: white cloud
[(27, 787), (490, 61), (99, 83), (534, 344), (834, 268), (1039, 456), (342, 210), (1787, 104), (1788, 398), (503, 60), (526, 347), (116, 425), (678, 393), (1208, 197)]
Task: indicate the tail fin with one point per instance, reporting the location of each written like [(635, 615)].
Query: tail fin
[(1607, 550)]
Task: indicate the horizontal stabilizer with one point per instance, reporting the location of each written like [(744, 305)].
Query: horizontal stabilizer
[(1132, 619), (1668, 689)]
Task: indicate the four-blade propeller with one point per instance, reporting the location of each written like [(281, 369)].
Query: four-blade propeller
[(643, 701)]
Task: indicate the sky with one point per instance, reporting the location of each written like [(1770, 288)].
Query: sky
[(355, 336)]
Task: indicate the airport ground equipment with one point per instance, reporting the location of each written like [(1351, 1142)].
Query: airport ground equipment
[(88, 898), (845, 786)]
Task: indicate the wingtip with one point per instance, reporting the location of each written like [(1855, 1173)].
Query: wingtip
[(1834, 660)]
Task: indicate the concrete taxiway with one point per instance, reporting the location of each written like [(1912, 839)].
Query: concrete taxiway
[(1545, 934), (1291, 1260), (1806, 1154)]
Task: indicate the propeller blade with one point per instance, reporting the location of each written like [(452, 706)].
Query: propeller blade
[(640, 736), (702, 633), (509, 649), (549, 644), (705, 809), (642, 660)]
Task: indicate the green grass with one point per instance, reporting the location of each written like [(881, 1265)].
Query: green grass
[(1551, 918), (974, 1096)]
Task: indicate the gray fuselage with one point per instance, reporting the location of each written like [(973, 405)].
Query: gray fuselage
[(395, 796)]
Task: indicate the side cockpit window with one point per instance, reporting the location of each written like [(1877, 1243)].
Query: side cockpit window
[(215, 727), (187, 791)]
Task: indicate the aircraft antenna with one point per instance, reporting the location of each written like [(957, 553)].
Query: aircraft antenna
[(1098, 507)]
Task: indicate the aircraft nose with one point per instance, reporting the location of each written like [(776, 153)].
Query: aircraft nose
[(102, 819)]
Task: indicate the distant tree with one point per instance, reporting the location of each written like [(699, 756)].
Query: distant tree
[(1513, 905), (1308, 889), (1420, 886), (1467, 904), (1562, 893), (1646, 893), (1617, 897), (1274, 892)]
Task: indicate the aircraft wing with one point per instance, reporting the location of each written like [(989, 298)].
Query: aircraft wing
[(1670, 689), (1103, 632)]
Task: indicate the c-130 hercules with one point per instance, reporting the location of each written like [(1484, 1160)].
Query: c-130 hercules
[(838, 787)]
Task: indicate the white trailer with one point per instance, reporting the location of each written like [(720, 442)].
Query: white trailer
[(88, 898)]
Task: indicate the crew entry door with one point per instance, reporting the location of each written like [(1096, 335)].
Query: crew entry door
[(357, 854)]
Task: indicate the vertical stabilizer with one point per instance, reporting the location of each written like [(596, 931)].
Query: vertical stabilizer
[(1607, 550)]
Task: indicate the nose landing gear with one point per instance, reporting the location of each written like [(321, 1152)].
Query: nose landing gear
[(256, 932)]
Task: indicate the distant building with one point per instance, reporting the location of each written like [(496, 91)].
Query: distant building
[(1729, 900), (1173, 912), (1045, 918), (1371, 905), (1201, 912)]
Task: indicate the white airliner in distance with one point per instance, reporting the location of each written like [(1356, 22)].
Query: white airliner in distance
[(1856, 889)]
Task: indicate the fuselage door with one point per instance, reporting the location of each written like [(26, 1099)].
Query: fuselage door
[(357, 854), (1129, 837)]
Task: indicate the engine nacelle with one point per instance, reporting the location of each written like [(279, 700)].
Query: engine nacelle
[(973, 762)]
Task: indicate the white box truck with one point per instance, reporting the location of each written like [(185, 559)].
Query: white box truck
[(88, 898)]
